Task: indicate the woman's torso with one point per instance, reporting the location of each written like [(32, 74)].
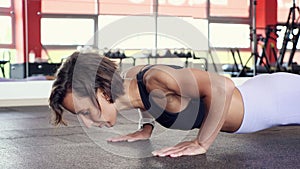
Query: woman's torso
[(174, 103)]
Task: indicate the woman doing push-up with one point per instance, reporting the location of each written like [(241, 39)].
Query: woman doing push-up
[(90, 86)]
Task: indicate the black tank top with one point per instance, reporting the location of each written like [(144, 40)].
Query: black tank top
[(191, 117)]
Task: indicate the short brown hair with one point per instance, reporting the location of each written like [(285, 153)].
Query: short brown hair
[(83, 74)]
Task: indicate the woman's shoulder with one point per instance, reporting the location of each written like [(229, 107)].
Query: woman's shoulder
[(159, 72), (170, 75), (132, 71), (163, 75)]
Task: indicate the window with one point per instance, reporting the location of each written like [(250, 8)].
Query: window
[(70, 6), (126, 32), (284, 9), (7, 25), (67, 31), (192, 8), (229, 8), (183, 32), (229, 35), (6, 30), (229, 23), (125, 7), (172, 32), (5, 3)]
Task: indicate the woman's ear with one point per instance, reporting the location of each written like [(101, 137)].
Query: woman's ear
[(107, 97), (104, 95)]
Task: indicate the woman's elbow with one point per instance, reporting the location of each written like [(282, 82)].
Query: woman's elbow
[(229, 85)]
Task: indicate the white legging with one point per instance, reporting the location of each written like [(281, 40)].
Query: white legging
[(270, 100)]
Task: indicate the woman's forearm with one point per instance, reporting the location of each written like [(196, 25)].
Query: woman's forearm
[(218, 104)]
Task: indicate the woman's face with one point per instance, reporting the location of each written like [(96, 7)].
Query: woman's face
[(102, 114)]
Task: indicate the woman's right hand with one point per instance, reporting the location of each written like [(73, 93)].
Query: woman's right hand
[(142, 134)]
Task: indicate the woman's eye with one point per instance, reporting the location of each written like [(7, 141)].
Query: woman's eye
[(85, 113)]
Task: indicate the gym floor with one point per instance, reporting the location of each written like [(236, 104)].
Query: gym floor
[(27, 140)]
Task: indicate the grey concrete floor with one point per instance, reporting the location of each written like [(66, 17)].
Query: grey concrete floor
[(27, 140)]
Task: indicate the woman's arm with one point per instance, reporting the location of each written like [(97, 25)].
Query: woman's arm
[(145, 128), (216, 90), (145, 119), (217, 99)]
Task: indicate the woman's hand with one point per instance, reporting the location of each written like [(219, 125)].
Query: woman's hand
[(187, 148), (142, 134)]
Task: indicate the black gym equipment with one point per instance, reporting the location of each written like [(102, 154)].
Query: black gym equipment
[(291, 34), (263, 63)]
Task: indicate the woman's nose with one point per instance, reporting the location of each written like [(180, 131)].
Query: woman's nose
[(87, 122)]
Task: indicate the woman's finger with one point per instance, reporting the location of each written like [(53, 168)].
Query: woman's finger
[(175, 150), (161, 151), (118, 139)]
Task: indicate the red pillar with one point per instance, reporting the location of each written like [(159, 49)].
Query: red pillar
[(28, 28), (20, 30), (266, 14)]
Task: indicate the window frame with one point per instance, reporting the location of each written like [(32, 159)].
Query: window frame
[(229, 20), (72, 16), (210, 19)]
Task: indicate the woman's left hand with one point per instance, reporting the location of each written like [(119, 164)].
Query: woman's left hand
[(187, 148)]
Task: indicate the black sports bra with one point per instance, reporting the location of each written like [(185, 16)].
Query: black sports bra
[(191, 117)]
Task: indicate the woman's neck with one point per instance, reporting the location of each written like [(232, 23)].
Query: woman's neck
[(131, 99)]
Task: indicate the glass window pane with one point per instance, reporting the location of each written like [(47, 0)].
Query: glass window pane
[(133, 34), (192, 33), (70, 6), (196, 9), (125, 7), (230, 8), (6, 30), (229, 35), (137, 42), (284, 8), (67, 31), (5, 3)]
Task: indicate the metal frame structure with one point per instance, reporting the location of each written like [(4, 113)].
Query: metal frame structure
[(292, 25), (254, 36)]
